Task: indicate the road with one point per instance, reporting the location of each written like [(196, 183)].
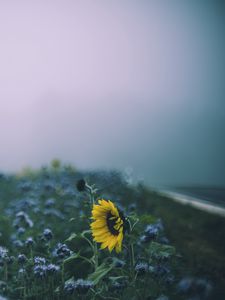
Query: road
[(209, 203)]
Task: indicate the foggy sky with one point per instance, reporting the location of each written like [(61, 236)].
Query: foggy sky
[(115, 84)]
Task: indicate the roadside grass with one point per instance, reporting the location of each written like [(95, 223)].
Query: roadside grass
[(198, 236)]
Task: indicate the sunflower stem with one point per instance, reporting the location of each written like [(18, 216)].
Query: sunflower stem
[(96, 255), (95, 248), (131, 250)]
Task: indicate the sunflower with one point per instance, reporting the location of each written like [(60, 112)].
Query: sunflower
[(108, 225)]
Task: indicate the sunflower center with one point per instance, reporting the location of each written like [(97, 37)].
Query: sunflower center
[(112, 222)]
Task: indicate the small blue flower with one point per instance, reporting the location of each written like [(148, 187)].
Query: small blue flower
[(141, 268), (83, 286), (62, 251), (21, 230), (151, 231), (17, 243), (52, 269), (21, 259), (10, 260), (22, 219), (50, 202), (48, 234), (118, 263), (185, 284), (161, 270), (69, 287), (25, 186), (40, 271), (3, 256), (3, 252), (39, 260), (49, 186), (21, 272), (29, 242), (144, 239)]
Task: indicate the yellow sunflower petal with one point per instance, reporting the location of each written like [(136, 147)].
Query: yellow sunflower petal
[(112, 244), (104, 231), (104, 245), (98, 224), (117, 226), (114, 210), (104, 203), (100, 231), (119, 242), (102, 239), (102, 209), (97, 214)]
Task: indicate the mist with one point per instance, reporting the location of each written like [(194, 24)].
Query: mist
[(115, 84)]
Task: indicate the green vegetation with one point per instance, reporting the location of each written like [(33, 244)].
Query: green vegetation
[(46, 207), (197, 235)]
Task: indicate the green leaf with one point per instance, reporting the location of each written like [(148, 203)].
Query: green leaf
[(160, 250), (147, 219), (133, 217), (116, 278), (85, 232), (74, 235), (100, 272), (72, 219), (72, 257), (71, 237)]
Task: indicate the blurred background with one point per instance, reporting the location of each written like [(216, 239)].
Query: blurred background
[(134, 85)]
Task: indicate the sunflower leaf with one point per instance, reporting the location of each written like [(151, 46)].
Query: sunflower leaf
[(72, 257), (163, 251), (100, 272), (85, 231), (71, 237)]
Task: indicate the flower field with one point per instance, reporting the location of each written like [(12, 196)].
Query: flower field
[(66, 234)]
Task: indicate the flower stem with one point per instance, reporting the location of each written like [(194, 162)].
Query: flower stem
[(96, 255), (132, 255), (95, 248), (63, 279), (5, 272), (131, 250)]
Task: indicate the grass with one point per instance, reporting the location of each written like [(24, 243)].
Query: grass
[(198, 236)]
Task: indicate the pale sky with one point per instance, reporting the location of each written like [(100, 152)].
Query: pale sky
[(114, 84)]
